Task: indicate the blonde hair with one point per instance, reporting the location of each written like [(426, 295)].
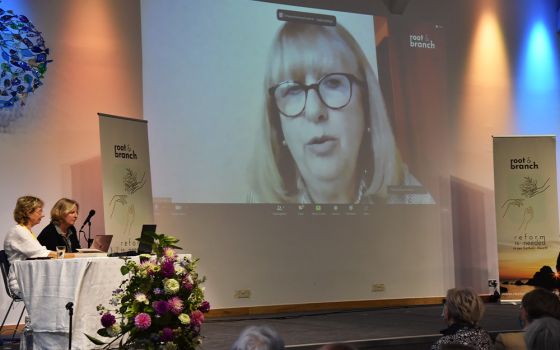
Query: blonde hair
[(464, 305), (61, 208), (24, 207), (295, 51)]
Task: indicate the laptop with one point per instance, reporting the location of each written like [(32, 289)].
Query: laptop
[(102, 242), (145, 246)]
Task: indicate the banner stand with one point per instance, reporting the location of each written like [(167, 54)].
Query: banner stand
[(127, 185), (526, 213)]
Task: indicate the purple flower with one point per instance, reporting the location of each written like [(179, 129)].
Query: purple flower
[(205, 306), (176, 305), (168, 269), (166, 334), (161, 307), (142, 321), (197, 317), (187, 284), (107, 320), (158, 291)]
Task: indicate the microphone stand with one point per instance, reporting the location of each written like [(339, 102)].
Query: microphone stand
[(89, 239), (70, 309), (85, 238)]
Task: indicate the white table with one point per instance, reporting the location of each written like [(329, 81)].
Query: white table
[(48, 285)]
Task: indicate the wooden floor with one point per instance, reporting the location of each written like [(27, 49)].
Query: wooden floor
[(6, 336)]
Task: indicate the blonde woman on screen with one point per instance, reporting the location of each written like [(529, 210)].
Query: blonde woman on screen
[(326, 135)]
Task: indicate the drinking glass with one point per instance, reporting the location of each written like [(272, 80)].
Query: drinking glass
[(60, 250)]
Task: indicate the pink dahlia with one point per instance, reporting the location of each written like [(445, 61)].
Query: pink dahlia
[(176, 305), (169, 253), (197, 318), (142, 320)]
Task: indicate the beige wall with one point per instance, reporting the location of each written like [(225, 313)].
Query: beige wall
[(52, 150)]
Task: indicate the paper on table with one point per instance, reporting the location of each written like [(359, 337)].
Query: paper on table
[(89, 250)]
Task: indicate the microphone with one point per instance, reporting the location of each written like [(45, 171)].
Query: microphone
[(88, 219)]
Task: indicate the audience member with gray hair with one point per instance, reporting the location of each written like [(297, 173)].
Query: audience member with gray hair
[(258, 338), (536, 304), (543, 334)]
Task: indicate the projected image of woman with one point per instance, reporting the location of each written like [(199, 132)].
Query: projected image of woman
[(327, 137)]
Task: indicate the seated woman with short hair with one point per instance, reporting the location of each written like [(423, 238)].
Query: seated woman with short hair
[(20, 242), (61, 230), (462, 311)]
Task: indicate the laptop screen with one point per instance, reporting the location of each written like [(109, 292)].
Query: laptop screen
[(145, 246), (102, 242)]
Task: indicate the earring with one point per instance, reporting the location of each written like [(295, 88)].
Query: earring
[(368, 129), (284, 143)]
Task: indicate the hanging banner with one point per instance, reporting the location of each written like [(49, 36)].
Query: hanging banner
[(127, 186), (526, 213)]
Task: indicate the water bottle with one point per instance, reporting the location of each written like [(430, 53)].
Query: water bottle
[(27, 338)]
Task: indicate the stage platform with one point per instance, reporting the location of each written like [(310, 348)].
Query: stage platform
[(386, 328), (403, 328)]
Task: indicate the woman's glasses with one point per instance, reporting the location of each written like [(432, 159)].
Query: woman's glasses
[(334, 90)]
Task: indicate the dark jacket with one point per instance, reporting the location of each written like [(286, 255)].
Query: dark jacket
[(465, 334), (50, 238)]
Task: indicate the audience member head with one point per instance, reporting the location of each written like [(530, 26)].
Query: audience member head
[(543, 334), (463, 306), (337, 346), (28, 210), (258, 338), (62, 208), (539, 303)]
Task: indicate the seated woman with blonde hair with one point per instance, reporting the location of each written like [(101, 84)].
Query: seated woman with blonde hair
[(61, 230), (462, 311), (20, 242)]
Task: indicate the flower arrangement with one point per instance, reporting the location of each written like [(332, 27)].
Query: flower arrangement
[(159, 306)]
